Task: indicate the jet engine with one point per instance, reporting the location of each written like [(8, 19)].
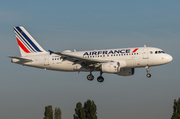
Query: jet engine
[(110, 67), (113, 67), (117, 68)]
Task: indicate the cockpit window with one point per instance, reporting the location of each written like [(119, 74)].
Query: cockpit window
[(158, 52)]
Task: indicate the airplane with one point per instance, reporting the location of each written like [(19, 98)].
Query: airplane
[(120, 61)]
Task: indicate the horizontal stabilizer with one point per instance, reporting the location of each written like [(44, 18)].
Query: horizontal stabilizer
[(20, 58)]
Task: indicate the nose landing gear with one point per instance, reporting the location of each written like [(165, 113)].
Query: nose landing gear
[(147, 70), (148, 75)]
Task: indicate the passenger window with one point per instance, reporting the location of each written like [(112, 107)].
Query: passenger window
[(151, 52)]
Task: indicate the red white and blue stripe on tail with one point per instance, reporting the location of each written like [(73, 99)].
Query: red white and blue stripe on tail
[(26, 42)]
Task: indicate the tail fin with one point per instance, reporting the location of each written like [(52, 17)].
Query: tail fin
[(27, 44)]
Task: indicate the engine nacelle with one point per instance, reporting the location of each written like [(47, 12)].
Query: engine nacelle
[(113, 67), (126, 72), (110, 67)]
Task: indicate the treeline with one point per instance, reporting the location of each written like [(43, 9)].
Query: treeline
[(88, 111), (48, 114)]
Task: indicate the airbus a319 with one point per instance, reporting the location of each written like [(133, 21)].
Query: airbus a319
[(121, 61)]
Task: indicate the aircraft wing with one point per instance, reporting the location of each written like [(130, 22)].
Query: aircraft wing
[(20, 58), (79, 60)]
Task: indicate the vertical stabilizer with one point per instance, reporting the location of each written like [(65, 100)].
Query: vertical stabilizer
[(27, 44)]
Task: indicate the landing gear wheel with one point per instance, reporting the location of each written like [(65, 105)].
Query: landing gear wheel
[(147, 70), (90, 77), (100, 79), (148, 75)]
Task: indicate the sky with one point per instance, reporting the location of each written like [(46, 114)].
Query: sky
[(88, 25)]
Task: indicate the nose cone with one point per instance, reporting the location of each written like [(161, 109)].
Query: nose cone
[(169, 58)]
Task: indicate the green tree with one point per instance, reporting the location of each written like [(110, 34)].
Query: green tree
[(48, 114), (90, 109), (57, 113), (79, 112), (176, 109), (86, 112)]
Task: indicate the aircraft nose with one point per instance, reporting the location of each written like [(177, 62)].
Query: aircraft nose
[(169, 58)]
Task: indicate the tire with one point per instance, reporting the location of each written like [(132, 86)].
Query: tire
[(100, 79), (148, 75), (90, 77)]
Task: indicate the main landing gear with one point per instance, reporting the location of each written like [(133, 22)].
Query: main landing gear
[(100, 78), (90, 77), (147, 70)]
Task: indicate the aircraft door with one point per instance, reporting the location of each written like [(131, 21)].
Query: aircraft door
[(145, 53)]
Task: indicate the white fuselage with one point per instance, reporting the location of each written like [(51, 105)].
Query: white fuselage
[(132, 58)]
